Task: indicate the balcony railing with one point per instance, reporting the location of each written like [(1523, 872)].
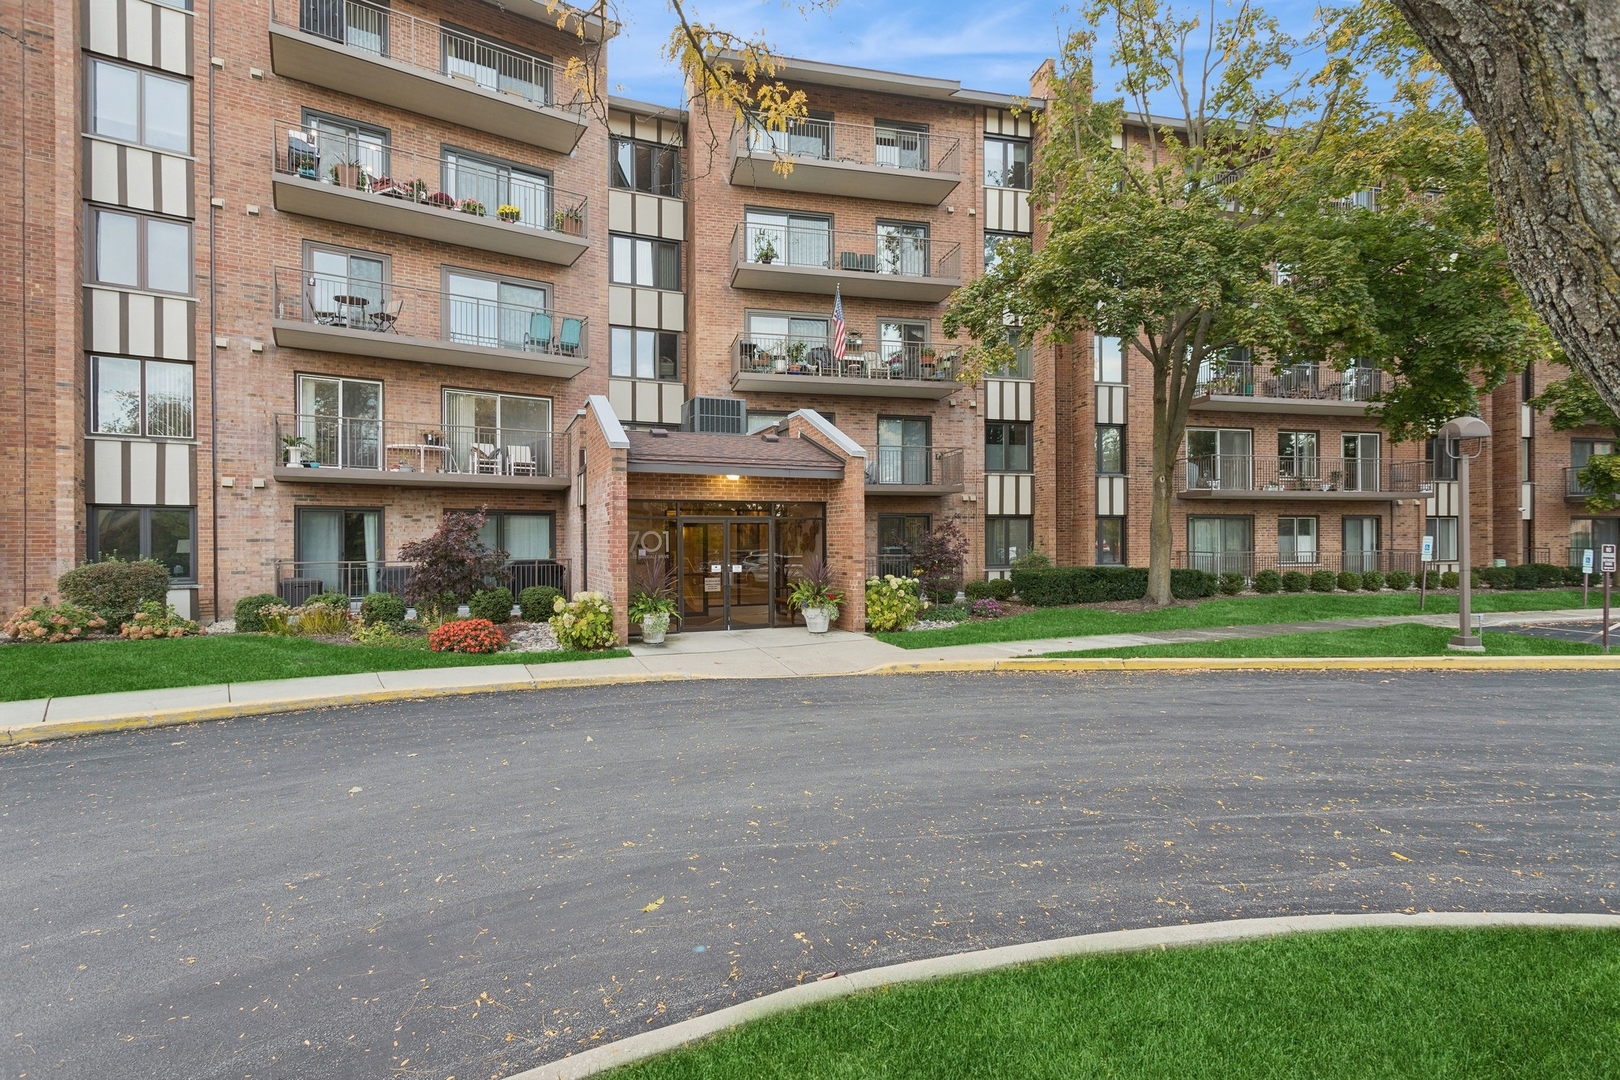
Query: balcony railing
[(1300, 382), (428, 46), (847, 252), (813, 356), (379, 307), (915, 466), (1309, 560), (856, 144), (448, 184), (1217, 474), (297, 579), (1574, 486), (445, 452)]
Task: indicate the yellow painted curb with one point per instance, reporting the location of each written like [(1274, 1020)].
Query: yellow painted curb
[(1257, 663)]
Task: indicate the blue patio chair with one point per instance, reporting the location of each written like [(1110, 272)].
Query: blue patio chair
[(539, 335), (569, 341)]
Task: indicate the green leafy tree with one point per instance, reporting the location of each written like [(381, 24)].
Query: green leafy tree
[(1572, 403)]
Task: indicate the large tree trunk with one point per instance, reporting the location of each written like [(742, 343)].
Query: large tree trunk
[(1542, 78), (1164, 462)]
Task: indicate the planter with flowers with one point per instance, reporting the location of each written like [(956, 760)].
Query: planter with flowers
[(570, 221), (443, 200), (814, 596), (508, 212), (652, 598), (472, 206)]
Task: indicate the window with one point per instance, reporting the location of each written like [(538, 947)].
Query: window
[(341, 419), (1524, 461), (342, 142), (1360, 462), (1006, 539), (1219, 458), (334, 272), (903, 453), (1023, 357), (495, 184), (771, 236), (1108, 359), (897, 535), (1110, 541), (651, 264), (1442, 460), (1006, 163), (807, 138), (902, 248), (992, 242), (140, 397), (166, 534), (1444, 532), (643, 166), (140, 252), (1221, 545), (140, 107), (898, 340), (340, 548), (1111, 449), (481, 428), (645, 354), (522, 536), (1006, 446), (1582, 451), (781, 334), (494, 64), (1360, 544), (500, 314), (1296, 540), (1296, 455), (900, 145), (1590, 534)]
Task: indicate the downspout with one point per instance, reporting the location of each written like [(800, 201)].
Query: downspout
[(213, 366)]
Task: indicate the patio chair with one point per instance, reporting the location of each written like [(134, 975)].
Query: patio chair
[(539, 335), (386, 319), (317, 314), (568, 341), (484, 458), (520, 460)]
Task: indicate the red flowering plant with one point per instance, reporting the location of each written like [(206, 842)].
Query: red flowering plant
[(467, 636)]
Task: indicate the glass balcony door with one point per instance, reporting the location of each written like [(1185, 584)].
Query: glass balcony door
[(1360, 544), (344, 287), (1220, 545), (903, 452), (496, 185), (902, 248), (790, 239), (341, 419), (1220, 458), (1360, 462), (489, 312)]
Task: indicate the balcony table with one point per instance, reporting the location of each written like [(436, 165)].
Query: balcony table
[(422, 450), (350, 302)]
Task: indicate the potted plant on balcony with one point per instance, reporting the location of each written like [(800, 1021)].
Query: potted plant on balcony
[(293, 448), (814, 596), (348, 174), (443, 200), (472, 206), (764, 249), (652, 599), (508, 212), (570, 221), (796, 351)]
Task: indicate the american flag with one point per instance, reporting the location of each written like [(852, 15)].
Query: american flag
[(840, 339)]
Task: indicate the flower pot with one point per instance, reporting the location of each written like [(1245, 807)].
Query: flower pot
[(295, 456), (653, 629), (816, 620)]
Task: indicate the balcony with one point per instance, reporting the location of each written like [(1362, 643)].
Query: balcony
[(385, 188), (861, 161), (370, 52), (914, 470), (1243, 386), (1576, 489), (883, 266), (297, 580), (416, 453), (393, 322), (1232, 476), (778, 364)]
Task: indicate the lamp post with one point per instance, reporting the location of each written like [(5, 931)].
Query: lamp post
[(1464, 429)]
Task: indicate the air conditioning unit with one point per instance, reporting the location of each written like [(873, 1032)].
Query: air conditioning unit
[(717, 415)]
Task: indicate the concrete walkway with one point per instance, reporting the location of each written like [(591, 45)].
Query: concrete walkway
[(784, 652)]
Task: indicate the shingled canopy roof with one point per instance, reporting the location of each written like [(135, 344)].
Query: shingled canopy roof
[(706, 454)]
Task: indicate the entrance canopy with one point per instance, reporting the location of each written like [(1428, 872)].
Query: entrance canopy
[(702, 453)]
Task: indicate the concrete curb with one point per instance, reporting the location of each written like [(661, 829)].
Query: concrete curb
[(48, 730), (653, 1043)]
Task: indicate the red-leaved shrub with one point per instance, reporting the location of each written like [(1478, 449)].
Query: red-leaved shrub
[(467, 636)]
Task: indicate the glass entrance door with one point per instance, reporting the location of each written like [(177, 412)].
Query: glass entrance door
[(748, 574), (726, 574)]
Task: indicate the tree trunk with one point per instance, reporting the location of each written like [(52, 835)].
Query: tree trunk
[(1542, 79), (1164, 463)]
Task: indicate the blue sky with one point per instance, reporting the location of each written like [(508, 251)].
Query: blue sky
[(986, 48)]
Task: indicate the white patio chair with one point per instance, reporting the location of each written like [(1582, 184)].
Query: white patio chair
[(520, 460), (484, 458)]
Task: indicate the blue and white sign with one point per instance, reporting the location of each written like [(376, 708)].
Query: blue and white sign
[(1428, 549), (1586, 561)]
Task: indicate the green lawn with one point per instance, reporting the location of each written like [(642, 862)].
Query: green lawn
[(1412, 1004), (1231, 611), (1405, 640), (102, 667)]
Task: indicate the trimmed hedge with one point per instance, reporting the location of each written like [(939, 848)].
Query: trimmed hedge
[(382, 609), (1102, 584), (1372, 581), (1231, 583), (1323, 581), (247, 612), (1001, 589), (1268, 581), (1348, 580), (1296, 581), (538, 602), (494, 604), (115, 589), (1528, 576), (1399, 580), (977, 590)]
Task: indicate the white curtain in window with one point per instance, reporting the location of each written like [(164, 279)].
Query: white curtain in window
[(459, 430), (320, 546), (528, 536)]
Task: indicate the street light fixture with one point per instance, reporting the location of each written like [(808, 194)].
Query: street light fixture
[(1464, 430)]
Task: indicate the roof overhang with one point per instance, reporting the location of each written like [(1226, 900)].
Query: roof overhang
[(543, 11), (722, 468)]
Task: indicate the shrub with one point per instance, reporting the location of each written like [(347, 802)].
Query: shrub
[(1372, 581), (1399, 580), (277, 618), (1550, 576), (319, 616), (469, 636), (1431, 579), (1268, 581), (453, 563), (330, 599), (377, 633), (585, 622), (114, 589), (952, 613), (1056, 586), (492, 604), (1348, 581), (892, 603), (1324, 581), (977, 590), (1231, 583), (1032, 560), (156, 620), (1449, 579), (382, 609), (1295, 581), (936, 560), (537, 602), (248, 609), (1190, 584), (1000, 589), (987, 609), (46, 624)]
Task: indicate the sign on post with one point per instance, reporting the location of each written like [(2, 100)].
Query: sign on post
[(1607, 566), (1586, 561), (1428, 549)]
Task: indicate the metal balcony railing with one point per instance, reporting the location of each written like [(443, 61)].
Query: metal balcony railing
[(449, 452), (1574, 486), (1305, 559), (450, 183), (360, 303), (299, 579), (432, 47), (1304, 382), (915, 466), (813, 356), (835, 142), (880, 252), (1247, 473)]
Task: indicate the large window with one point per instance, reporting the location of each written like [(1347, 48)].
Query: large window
[(1110, 541), (495, 184), (651, 264), (902, 340), (645, 354), (166, 534), (1361, 471), (1220, 458), (1110, 449), (140, 107), (777, 236), (1296, 540), (1006, 539), (521, 535), (1023, 363), (992, 246), (141, 397), (1360, 543), (490, 432), (782, 333), (1220, 545), (501, 314), (644, 166), (900, 144), (345, 142), (1108, 360), (903, 453), (902, 248), (360, 277), (341, 420), (1006, 446), (1444, 532), (339, 548), (140, 252), (1006, 163), (1442, 458), (1296, 454)]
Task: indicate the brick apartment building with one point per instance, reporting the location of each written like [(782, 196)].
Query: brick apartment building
[(292, 283)]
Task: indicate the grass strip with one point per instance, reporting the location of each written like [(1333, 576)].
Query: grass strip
[(1408, 640), (1233, 611), (1348, 1004), (105, 667)]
